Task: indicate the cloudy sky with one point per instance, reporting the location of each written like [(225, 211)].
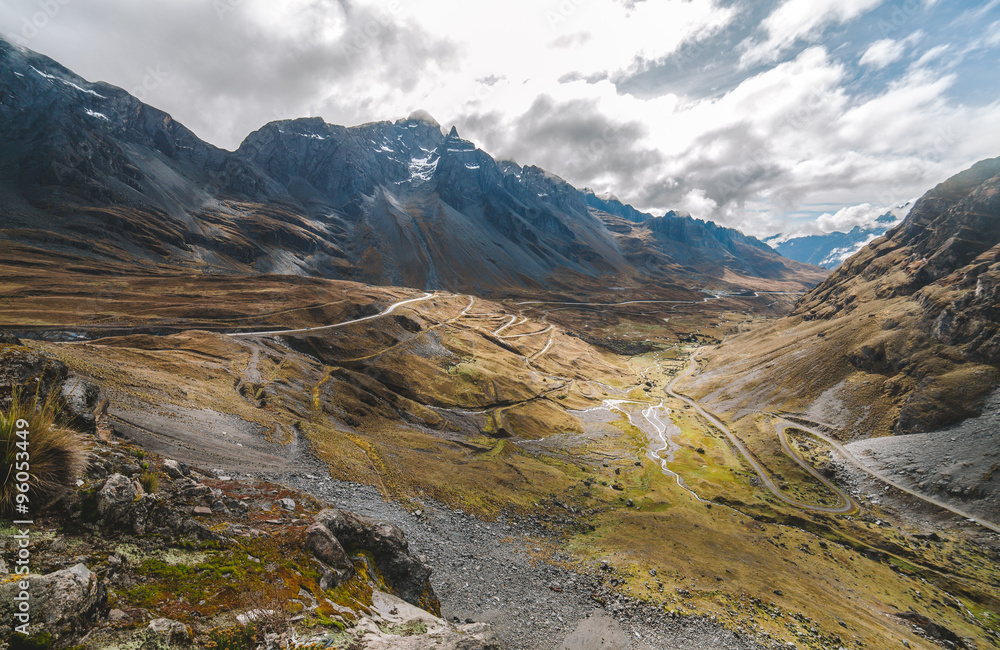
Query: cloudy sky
[(768, 115)]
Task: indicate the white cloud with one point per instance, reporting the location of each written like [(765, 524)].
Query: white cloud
[(797, 20), (882, 53), (847, 218), (931, 55)]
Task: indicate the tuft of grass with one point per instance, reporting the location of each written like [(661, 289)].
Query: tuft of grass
[(33, 443), (150, 481)]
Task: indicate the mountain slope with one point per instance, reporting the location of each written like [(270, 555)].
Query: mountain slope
[(903, 338), (679, 244), (91, 173)]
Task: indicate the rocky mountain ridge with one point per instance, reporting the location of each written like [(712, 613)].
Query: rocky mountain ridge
[(90, 172)]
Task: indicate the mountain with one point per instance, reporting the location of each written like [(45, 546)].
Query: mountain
[(679, 245), (830, 250), (903, 338), (92, 174)]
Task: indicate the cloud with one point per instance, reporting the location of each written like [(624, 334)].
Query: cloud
[(573, 138), (847, 218), (882, 53), (233, 65), (800, 20)]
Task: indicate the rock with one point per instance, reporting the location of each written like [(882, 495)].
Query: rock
[(6, 338), (406, 576), (174, 469), (122, 504), (84, 400), (246, 618), (287, 504), (201, 511), (33, 372), (328, 550), (63, 603), (128, 469), (117, 615), (170, 631), (118, 495)]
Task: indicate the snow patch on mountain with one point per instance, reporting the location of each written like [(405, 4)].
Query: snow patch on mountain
[(68, 83)]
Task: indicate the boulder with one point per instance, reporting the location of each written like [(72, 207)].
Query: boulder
[(174, 469), (118, 496), (6, 338), (31, 372), (122, 504), (170, 630), (63, 603), (405, 575), (84, 401), (329, 551)]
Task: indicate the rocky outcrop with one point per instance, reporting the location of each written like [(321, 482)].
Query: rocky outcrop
[(405, 575), (64, 602), (329, 551), (32, 373), (84, 402), (123, 504), (398, 203)]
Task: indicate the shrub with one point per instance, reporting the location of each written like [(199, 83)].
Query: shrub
[(56, 455)]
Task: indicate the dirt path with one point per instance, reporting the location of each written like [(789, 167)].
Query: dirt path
[(309, 330), (853, 460), (846, 506)]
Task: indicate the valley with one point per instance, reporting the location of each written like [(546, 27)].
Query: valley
[(561, 430)]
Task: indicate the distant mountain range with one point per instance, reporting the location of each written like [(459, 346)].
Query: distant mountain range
[(830, 250), (89, 171)]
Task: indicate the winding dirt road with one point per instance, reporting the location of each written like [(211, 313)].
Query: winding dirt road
[(309, 330), (846, 505), (784, 424)]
